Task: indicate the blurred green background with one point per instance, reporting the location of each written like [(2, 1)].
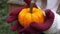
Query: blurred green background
[(4, 27)]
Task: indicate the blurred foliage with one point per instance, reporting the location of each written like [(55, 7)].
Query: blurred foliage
[(4, 27)]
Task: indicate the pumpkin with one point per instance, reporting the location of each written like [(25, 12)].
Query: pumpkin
[(25, 17)]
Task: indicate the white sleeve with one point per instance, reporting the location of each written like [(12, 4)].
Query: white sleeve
[(57, 19), (58, 23), (55, 28)]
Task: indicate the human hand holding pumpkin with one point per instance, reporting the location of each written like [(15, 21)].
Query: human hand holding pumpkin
[(30, 29)]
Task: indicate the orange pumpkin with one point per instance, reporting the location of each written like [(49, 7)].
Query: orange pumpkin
[(25, 17)]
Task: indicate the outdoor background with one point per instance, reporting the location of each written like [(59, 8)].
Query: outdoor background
[(4, 10)]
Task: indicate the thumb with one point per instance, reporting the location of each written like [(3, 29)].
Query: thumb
[(49, 13)]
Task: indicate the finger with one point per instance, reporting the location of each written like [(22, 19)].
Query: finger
[(15, 26), (35, 26), (11, 18), (13, 14), (49, 14), (22, 30), (15, 11), (42, 27), (29, 30), (26, 30), (28, 2)]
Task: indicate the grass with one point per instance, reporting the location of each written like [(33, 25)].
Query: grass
[(4, 10)]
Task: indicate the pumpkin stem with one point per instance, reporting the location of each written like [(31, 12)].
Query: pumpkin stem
[(31, 5)]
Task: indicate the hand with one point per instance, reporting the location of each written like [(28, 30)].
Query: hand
[(48, 22), (34, 27), (13, 17)]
